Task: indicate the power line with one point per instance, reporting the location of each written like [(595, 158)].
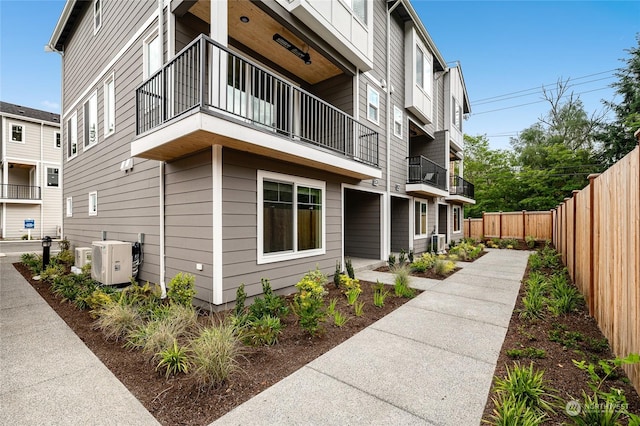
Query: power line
[(538, 87), (538, 91), (534, 102)]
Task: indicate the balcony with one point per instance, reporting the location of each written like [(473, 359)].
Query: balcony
[(460, 190), (208, 95), (426, 177), (19, 193)]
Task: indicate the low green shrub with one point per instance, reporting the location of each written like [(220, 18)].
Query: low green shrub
[(530, 241), (391, 262), (510, 411), (444, 267), (525, 385), (117, 320), (402, 279), (173, 360), (263, 331), (32, 261), (182, 289), (339, 319), (269, 304), (308, 303), (358, 309), (379, 294), (424, 262), (336, 274), (533, 303), (530, 352), (349, 267)]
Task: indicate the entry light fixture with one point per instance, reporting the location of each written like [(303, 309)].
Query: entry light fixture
[(291, 48)]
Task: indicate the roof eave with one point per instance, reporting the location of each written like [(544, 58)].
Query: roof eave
[(62, 23), (425, 34)]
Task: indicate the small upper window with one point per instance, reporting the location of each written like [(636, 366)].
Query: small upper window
[(457, 219), (72, 136), (397, 121), (419, 67), (91, 121), (93, 203), (69, 206), (456, 114), (152, 55), (373, 102), (57, 139), (97, 15), (109, 106), (359, 8), (52, 176), (17, 133)]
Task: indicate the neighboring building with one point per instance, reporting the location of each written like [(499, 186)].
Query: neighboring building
[(30, 172), (286, 135)]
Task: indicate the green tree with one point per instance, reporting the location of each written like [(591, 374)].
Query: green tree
[(617, 137)]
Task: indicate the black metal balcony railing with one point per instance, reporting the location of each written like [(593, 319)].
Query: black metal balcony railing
[(423, 170), (19, 192), (459, 186), (208, 76)]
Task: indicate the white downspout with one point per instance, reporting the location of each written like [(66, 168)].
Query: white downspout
[(163, 286), (40, 181), (387, 194)]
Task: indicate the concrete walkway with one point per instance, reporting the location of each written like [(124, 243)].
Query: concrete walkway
[(429, 362), (47, 374)]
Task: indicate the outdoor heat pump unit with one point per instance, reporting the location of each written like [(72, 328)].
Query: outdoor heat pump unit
[(111, 262), (83, 256)]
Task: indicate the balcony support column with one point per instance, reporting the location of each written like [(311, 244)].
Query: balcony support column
[(216, 192)]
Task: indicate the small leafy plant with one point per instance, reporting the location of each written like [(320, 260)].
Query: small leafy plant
[(358, 309), (263, 331), (401, 282), (182, 289), (349, 267), (530, 241), (173, 360), (424, 262), (336, 274), (525, 385), (215, 353), (331, 308), (530, 352), (391, 262), (270, 303), (379, 295), (339, 319), (308, 303)]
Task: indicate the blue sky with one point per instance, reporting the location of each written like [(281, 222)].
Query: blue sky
[(503, 46)]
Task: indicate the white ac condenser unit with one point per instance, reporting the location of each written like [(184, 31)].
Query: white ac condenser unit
[(83, 256), (111, 262), (442, 242)]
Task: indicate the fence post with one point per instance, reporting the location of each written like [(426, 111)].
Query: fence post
[(524, 225), (591, 299), (483, 231), (575, 210), (552, 230), (500, 222)]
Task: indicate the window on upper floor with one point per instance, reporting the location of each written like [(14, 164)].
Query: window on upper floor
[(17, 133), (57, 139), (397, 121), (52, 177), (420, 218), (97, 15), (457, 219), (359, 8), (109, 106), (373, 104), (93, 203), (152, 54), (72, 136), (456, 114), (69, 206), (91, 121), (291, 217), (423, 70)]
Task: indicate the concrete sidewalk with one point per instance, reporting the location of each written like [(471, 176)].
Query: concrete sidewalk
[(47, 374), (429, 362)]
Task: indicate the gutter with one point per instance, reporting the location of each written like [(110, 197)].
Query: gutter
[(62, 22)]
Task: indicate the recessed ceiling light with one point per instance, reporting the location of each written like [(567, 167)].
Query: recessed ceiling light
[(244, 19)]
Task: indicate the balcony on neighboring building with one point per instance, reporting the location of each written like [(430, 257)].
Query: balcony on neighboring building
[(426, 177), (208, 95), (460, 190), (19, 193)]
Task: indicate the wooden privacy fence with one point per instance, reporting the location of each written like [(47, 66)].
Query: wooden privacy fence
[(597, 232), (511, 225)]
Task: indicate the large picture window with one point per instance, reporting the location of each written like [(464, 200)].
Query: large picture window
[(291, 217)]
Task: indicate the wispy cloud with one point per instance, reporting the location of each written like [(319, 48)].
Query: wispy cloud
[(49, 105)]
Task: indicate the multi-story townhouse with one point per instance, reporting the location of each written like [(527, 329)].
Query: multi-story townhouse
[(251, 139), (30, 172)]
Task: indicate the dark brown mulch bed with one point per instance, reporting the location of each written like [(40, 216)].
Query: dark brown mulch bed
[(559, 371), (179, 401), (429, 273)]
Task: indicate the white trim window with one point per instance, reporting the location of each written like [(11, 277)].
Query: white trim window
[(91, 121), (151, 54), (97, 15), (420, 217), (456, 114), (72, 136), (52, 177), (423, 70), (57, 139), (291, 217), (69, 209), (109, 106), (457, 218), (93, 203), (17, 133), (397, 121), (373, 104)]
